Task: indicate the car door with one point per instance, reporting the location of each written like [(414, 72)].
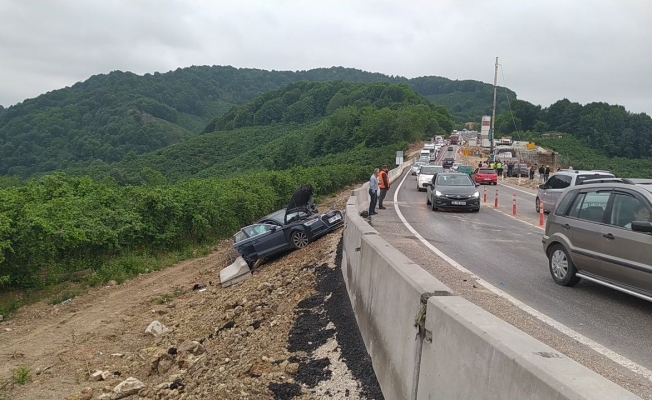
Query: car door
[(585, 226), (551, 192), (269, 239), (629, 253), (557, 186)]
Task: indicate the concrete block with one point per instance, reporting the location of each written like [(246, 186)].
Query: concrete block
[(234, 273), (475, 355), (385, 289)]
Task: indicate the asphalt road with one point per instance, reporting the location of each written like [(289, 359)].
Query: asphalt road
[(507, 252)]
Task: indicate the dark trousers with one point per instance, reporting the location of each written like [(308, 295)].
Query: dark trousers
[(373, 197), (381, 197)]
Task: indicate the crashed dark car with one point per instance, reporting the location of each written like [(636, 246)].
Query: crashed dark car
[(292, 227)]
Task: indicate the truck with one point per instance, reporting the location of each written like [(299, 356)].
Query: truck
[(455, 138)]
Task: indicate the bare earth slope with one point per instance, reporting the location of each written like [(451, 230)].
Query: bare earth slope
[(287, 332)]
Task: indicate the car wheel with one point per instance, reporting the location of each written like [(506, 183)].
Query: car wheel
[(562, 270), (432, 207), (537, 205), (428, 200), (299, 239), (494, 183)]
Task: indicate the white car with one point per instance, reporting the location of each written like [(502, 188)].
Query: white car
[(416, 166), (425, 174), (455, 165)]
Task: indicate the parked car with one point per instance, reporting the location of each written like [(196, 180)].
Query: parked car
[(485, 175), (292, 227), (425, 174), (602, 233), (416, 166), (520, 169), (465, 169), (550, 191), (453, 190)]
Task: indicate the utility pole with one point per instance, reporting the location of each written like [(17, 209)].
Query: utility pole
[(493, 114)]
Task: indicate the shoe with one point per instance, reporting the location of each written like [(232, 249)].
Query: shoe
[(382, 208), (373, 213)]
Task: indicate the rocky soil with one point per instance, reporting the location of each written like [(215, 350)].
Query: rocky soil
[(288, 332)]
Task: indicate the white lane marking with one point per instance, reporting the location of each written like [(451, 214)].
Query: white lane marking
[(517, 189), (613, 356), (517, 219)]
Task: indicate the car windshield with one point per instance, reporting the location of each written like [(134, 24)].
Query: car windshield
[(278, 216), (429, 170), (453, 180), (487, 171)]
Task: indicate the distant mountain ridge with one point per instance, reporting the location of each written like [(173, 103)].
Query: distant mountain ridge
[(108, 116)]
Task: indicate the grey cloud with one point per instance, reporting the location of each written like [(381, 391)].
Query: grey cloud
[(549, 49)]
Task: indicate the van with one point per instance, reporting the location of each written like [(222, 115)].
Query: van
[(425, 153)]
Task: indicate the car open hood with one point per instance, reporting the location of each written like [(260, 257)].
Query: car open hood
[(300, 198)]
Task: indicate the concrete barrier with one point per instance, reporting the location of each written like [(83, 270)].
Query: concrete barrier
[(426, 343), (471, 354)]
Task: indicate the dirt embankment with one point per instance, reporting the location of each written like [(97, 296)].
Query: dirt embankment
[(287, 332)]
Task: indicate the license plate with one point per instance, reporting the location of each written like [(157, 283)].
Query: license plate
[(458, 203), (333, 219), (487, 179)]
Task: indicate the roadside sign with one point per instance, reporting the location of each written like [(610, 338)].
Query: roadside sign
[(399, 157)]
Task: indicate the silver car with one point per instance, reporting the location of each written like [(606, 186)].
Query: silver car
[(549, 192), (603, 233)]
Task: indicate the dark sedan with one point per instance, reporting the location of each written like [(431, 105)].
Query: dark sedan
[(292, 227), (453, 190)]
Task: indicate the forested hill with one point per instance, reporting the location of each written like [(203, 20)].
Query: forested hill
[(107, 116), (302, 124), (610, 129)]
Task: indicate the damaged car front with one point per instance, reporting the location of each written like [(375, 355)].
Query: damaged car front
[(293, 227)]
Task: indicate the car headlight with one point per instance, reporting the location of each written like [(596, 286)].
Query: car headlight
[(310, 222), (476, 195), (438, 193)]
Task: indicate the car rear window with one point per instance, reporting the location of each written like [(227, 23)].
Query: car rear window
[(430, 170), (487, 171)]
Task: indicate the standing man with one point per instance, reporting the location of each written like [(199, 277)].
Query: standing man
[(383, 185), (541, 172), (499, 169), (546, 173), (373, 192)]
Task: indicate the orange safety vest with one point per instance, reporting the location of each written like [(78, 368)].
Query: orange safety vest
[(383, 177)]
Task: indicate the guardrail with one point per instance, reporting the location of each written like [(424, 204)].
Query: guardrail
[(427, 343)]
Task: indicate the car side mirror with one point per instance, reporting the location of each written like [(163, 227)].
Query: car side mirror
[(274, 228), (542, 186), (477, 185), (642, 226)]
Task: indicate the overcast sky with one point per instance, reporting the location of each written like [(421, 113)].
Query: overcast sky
[(584, 50)]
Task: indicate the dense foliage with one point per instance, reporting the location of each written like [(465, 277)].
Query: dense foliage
[(59, 224), (610, 129), (576, 154), (340, 122), (106, 117)]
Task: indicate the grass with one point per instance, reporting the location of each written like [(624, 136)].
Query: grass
[(21, 375), (118, 269), (166, 298)]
